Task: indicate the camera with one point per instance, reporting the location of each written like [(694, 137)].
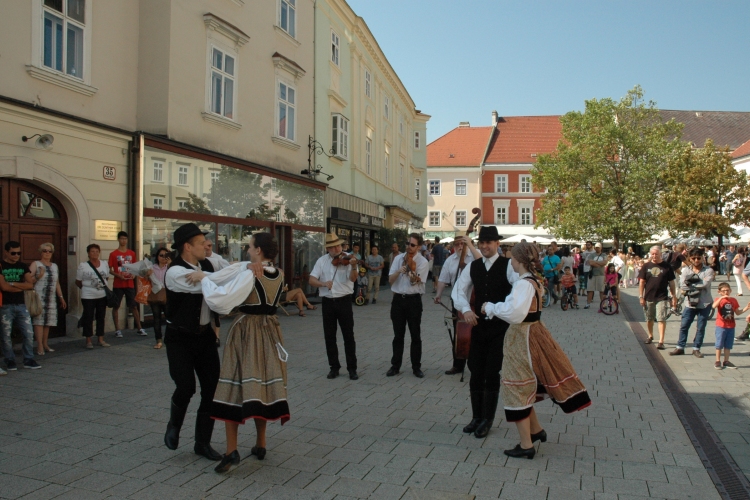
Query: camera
[(693, 294)]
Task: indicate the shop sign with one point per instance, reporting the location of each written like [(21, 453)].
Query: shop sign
[(106, 230), (377, 222), (364, 219), (109, 173)]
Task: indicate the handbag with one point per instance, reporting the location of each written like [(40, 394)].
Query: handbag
[(158, 298), (33, 303), (144, 290), (112, 301)]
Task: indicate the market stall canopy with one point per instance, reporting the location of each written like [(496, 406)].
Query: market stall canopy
[(447, 240)]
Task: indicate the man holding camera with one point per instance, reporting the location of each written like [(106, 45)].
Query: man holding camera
[(695, 283)]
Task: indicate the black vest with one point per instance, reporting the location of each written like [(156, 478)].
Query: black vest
[(490, 286), (183, 310)]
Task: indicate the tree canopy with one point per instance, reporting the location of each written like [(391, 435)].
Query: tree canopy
[(603, 179)]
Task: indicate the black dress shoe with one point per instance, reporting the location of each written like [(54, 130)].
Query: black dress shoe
[(393, 371), (333, 374), (453, 371), (519, 452), (418, 373), (539, 436), (353, 375), (472, 425), (258, 452), (228, 461), (205, 450)]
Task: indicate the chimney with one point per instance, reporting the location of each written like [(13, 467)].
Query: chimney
[(494, 118), (464, 124)]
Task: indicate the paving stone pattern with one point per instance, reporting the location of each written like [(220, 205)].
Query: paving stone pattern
[(90, 425)]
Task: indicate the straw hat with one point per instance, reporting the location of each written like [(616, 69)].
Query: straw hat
[(332, 240)]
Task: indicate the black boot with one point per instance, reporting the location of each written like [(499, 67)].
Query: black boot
[(204, 428), (489, 407), (176, 418), (476, 412)]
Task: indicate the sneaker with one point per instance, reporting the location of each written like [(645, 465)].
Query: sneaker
[(118, 334), (31, 364), (718, 366), (678, 351), (729, 364), (587, 306), (142, 333), (10, 365), (3, 372), (660, 346), (697, 353)]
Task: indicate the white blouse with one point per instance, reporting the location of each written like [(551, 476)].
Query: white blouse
[(516, 306)]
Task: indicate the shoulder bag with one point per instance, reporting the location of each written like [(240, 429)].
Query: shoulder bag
[(33, 302), (112, 302)]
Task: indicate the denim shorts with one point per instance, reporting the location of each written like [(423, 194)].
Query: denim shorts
[(724, 338)]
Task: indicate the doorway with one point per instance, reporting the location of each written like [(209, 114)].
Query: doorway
[(32, 216)]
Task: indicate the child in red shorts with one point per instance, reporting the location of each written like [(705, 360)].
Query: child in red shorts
[(728, 308)]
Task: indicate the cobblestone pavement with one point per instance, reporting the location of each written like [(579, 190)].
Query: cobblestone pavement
[(90, 425), (721, 395)]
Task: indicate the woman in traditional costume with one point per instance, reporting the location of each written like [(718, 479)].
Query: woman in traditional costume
[(253, 379), (534, 365)]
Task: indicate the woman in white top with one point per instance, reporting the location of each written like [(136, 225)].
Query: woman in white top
[(534, 365), (738, 265), (48, 288), (93, 296)]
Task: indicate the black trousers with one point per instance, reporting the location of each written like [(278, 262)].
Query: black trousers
[(486, 355), (338, 312), (94, 309), (157, 310), (191, 354), (407, 310), (458, 364)]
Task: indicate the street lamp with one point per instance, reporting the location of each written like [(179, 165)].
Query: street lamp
[(314, 147)]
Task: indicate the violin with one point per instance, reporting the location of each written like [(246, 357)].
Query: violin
[(411, 268), (343, 259)]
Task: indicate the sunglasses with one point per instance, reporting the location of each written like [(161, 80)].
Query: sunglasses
[(15, 253), (412, 244), (164, 255), (46, 250)]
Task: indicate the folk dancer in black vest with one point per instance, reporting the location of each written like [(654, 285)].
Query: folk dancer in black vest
[(190, 340), (407, 286), (336, 286), (448, 277), (491, 278)]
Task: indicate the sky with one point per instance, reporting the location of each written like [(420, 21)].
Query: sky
[(460, 60)]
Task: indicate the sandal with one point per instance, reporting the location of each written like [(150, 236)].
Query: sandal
[(49, 349), (40, 353), (311, 308), (302, 314), (649, 340), (158, 345)]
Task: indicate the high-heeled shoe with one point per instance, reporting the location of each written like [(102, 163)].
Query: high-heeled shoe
[(227, 461), (539, 436), (519, 452), (258, 452)]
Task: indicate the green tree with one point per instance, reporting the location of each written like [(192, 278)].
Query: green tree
[(603, 178), (704, 194), (195, 205), (236, 193)]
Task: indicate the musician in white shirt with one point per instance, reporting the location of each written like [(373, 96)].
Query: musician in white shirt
[(407, 286), (336, 286)]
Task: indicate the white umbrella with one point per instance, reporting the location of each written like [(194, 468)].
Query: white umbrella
[(447, 240), (517, 238)]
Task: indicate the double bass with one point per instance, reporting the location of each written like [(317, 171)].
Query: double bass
[(462, 341)]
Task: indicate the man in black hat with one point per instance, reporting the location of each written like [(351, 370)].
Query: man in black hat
[(491, 277), (190, 340)]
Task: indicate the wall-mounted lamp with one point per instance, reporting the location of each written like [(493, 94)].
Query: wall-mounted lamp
[(44, 141), (314, 147)]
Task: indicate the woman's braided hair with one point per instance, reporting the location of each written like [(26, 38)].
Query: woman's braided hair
[(527, 254)]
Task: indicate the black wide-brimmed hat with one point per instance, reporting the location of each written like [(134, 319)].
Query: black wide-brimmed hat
[(183, 233), (488, 233)]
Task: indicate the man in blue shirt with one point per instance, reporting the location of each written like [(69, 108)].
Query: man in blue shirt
[(439, 254), (552, 264)]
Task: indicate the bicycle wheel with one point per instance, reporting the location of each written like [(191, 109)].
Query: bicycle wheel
[(565, 302), (609, 306), (546, 299), (360, 300)]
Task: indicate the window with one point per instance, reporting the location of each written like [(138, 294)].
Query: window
[(368, 83), (434, 219), (526, 216), (401, 177), (37, 203), (386, 107), (222, 83), (386, 164), (334, 48), (64, 25), (368, 156), (460, 187), (158, 171), (501, 183), (286, 111), (417, 189), (400, 124), (340, 137), (434, 187), (287, 17), (417, 143), (501, 215), (182, 205), (460, 218), (524, 182), (159, 203), (182, 175), (214, 178)]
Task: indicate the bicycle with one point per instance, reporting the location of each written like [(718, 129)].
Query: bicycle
[(566, 301), (546, 298), (609, 304)]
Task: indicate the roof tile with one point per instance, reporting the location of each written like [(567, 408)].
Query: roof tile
[(461, 147), (521, 138)]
